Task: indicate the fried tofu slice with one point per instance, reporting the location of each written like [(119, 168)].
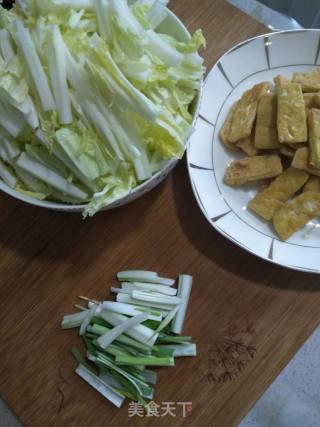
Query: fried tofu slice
[(296, 213), (287, 151), (301, 161), (311, 100), (310, 82), (266, 134), (297, 145), (314, 136), (224, 131), (245, 112), (253, 169), (267, 201), (247, 145), (313, 184), (291, 123), (280, 80)]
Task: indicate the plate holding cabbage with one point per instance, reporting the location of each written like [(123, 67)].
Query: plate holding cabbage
[(95, 100)]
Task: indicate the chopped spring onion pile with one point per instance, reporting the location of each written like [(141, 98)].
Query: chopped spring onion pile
[(124, 339), (94, 98)]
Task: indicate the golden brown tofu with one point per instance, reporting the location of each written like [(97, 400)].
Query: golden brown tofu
[(267, 201), (245, 113), (311, 100), (287, 151), (297, 145), (310, 82), (314, 136), (266, 134), (280, 80), (253, 169), (296, 213), (292, 123), (247, 146), (224, 131), (313, 184), (301, 161)]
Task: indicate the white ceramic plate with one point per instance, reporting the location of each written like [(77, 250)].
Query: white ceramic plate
[(252, 61)]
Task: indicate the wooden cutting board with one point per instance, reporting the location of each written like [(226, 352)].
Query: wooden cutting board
[(247, 316)]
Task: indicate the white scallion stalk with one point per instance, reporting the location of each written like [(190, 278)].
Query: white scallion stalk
[(155, 297), (139, 332), (39, 77), (161, 289), (120, 291), (94, 310), (73, 320), (184, 290), (110, 380), (144, 276), (129, 300), (167, 319), (43, 173), (100, 386), (113, 367), (106, 339), (181, 350), (128, 310), (149, 376), (58, 74)]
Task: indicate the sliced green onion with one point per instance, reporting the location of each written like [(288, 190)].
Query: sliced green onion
[(89, 315), (107, 391), (139, 332), (173, 338), (180, 349), (105, 361), (123, 339), (147, 361), (129, 300), (106, 339), (184, 290), (167, 320), (160, 351), (143, 276), (166, 290), (149, 376), (128, 309), (155, 297), (79, 358), (73, 320)]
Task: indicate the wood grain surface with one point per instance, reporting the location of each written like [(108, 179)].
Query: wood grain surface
[(247, 316)]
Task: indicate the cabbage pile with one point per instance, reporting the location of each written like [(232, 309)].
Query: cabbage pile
[(94, 99)]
